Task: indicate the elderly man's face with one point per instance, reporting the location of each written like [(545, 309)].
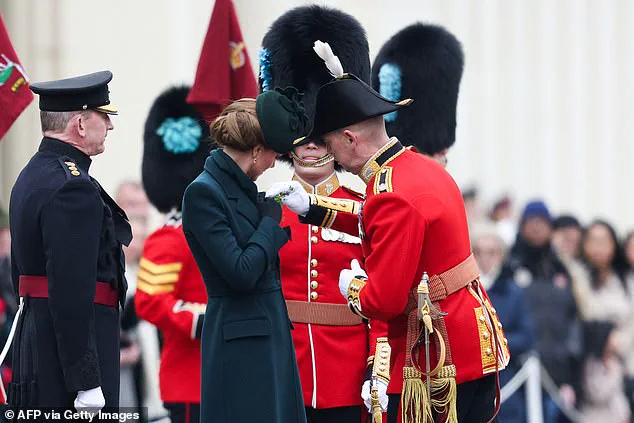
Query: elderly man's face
[(95, 127), (489, 253)]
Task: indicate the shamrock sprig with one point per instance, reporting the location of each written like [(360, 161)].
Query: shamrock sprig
[(279, 198)]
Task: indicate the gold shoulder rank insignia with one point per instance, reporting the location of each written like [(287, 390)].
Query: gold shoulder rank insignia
[(383, 181), (72, 168)]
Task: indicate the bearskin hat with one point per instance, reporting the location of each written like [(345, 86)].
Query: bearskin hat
[(423, 62), (176, 142), (287, 57)]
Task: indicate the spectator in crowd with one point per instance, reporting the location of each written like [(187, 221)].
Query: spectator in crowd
[(552, 303), (567, 233), (471, 204), (132, 199), (566, 242), (140, 347), (502, 215), (607, 326), (511, 306)]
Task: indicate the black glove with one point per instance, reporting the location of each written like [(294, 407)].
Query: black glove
[(269, 207)]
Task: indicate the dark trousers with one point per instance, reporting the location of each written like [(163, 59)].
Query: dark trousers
[(183, 412), (476, 401), (334, 415)]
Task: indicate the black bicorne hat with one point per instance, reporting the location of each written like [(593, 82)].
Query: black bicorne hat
[(176, 143), (423, 62), (346, 101)]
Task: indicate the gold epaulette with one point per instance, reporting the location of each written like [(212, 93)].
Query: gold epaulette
[(383, 181), (156, 278)]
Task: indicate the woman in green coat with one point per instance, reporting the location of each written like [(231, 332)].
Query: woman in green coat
[(249, 371)]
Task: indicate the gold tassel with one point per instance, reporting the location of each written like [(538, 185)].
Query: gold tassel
[(415, 406), (444, 394)]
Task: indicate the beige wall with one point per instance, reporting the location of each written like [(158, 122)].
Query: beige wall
[(544, 107)]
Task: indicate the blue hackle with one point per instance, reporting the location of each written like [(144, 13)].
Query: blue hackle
[(180, 136), (264, 59), (390, 85)]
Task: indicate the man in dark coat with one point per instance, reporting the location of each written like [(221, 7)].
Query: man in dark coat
[(548, 288), (67, 260)]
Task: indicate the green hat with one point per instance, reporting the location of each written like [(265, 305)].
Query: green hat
[(4, 218), (282, 118)]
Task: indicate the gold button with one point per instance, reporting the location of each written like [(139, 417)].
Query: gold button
[(314, 284), (500, 325), (314, 295), (493, 310), (485, 335), (384, 354), (315, 229), (313, 273), (69, 163), (75, 173), (72, 168), (313, 239), (313, 263), (482, 318), (506, 341), (489, 352)]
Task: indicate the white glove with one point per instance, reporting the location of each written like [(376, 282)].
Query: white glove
[(91, 400), (366, 392), (346, 276), (293, 196)]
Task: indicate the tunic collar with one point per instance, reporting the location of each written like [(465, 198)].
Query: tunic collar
[(381, 158), (324, 188), (61, 148)]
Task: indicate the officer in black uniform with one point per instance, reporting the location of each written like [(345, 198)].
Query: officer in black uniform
[(67, 261)]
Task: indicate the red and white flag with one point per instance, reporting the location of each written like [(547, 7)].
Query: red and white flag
[(15, 94)]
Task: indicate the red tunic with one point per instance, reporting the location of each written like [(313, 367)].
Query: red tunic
[(332, 360), (171, 295), (413, 221)]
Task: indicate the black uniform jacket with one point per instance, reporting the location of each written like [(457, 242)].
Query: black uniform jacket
[(66, 228)]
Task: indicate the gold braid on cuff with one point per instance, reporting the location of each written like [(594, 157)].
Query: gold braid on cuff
[(354, 289), (381, 365)]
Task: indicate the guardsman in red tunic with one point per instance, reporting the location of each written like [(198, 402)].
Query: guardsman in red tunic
[(419, 274), (170, 290), (335, 348)]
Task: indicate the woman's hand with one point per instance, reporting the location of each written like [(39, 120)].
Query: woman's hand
[(269, 207)]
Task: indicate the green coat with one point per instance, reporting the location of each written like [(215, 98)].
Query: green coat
[(249, 370)]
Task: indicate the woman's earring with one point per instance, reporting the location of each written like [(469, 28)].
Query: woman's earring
[(255, 160)]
